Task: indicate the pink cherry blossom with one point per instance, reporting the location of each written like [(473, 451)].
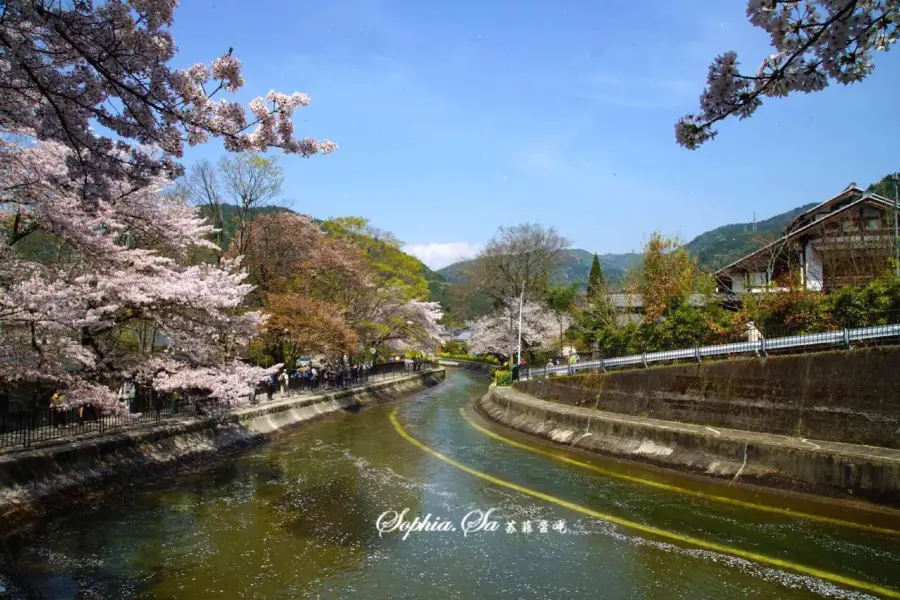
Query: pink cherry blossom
[(498, 332), (815, 41), (67, 67), (114, 288)]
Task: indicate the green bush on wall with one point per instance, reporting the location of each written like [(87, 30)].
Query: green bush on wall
[(503, 377)]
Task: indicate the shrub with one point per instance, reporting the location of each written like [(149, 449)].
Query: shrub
[(503, 377), (776, 314), (876, 304), (456, 347), (794, 312)]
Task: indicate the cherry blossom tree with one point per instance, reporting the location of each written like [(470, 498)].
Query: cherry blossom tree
[(94, 292), (814, 42), (384, 316), (95, 77), (97, 276), (307, 283), (325, 294), (299, 325), (284, 245), (389, 308), (498, 332), (410, 325)]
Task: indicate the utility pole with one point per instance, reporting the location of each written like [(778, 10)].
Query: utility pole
[(521, 307), (896, 238)]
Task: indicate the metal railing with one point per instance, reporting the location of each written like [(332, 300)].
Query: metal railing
[(35, 424), (26, 427), (830, 339)]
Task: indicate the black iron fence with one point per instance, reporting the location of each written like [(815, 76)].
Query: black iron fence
[(31, 424), (24, 425)]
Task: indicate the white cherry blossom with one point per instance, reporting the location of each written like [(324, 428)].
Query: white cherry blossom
[(814, 42)]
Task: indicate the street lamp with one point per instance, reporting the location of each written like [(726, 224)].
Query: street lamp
[(521, 306)]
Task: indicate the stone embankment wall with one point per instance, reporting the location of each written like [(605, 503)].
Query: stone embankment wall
[(843, 396), (30, 480), (831, 468)]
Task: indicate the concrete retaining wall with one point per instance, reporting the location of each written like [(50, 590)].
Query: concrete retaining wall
[(30, 480), (783, 461), (847, 396)]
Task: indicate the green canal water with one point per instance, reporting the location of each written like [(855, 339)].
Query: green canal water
[(296, 518)]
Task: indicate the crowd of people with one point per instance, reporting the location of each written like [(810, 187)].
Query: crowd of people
[(308, 377)]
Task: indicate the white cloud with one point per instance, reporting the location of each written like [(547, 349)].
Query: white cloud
[(437, 255)]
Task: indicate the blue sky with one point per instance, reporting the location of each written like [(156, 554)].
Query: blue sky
[(456, 117)]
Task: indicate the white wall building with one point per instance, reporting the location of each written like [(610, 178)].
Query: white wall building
[(847, 239)]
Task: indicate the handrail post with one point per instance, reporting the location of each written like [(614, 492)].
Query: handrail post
[(603, 365), (846, 338), (697, 353), (762, 348), (644, 359)]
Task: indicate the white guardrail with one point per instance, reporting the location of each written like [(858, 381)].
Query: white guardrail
[(841, 338)]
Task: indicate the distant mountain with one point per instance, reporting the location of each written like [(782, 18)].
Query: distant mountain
[(455, 273), (575, 265), (713, 249), (887, 187), (723, 245)]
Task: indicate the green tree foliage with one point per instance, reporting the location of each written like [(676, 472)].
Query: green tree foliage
[(455, 348), (802, 311), (680, 309), (561, 300), (395, 268), (482, 358), (876, 304), (776, 314), (889, 186), (666, 278), (796, 311), (596, 281), (516, 259)]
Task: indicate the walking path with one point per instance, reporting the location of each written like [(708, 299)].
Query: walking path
[(63, 433)]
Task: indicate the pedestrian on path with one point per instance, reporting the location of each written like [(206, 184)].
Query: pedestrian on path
[(59, 414), (754, 336), (270, 386)]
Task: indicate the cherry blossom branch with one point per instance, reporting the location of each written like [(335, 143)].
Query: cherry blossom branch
[(810, 51)]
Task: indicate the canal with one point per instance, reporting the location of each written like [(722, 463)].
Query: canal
[(296, 518)]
